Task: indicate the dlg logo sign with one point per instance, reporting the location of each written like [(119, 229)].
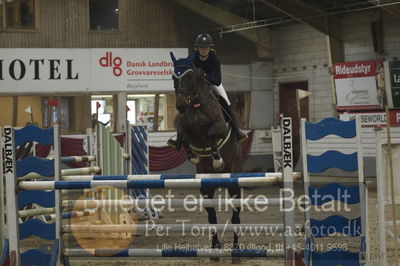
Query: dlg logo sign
[(109, 61)]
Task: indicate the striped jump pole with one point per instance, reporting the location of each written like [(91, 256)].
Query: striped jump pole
[(70, 215), (175, 228), (65, 172), (165, 183), (296, 176), (35, 212), (78, 159), (172, 203), (80, 171), (50, 212), (248, 253)]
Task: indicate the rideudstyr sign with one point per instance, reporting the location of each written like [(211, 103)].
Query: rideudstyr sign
[(28, 71), (359, 85)]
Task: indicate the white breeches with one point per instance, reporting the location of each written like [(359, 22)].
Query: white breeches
[(221, 92)]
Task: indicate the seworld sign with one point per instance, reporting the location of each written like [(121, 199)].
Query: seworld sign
[(374, 118), (40, 71)]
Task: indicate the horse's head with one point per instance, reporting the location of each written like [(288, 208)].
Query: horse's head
[(188, 82)]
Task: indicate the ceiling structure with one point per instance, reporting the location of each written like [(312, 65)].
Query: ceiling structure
[(318, 13), (240, 16)]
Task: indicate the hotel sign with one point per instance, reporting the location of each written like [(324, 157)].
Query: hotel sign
[(35, 71)]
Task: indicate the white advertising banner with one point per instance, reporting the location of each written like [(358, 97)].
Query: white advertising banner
[(359, 85), (373, 118), (35, 71)]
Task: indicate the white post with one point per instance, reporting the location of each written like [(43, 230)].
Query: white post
[(306, 182), (11, 188), (276, 135), (90, 145), (380, 179), (306, 176), (362, 187), (288, 193), (122, 117), (129, 148), (58, 193), (2, 225)]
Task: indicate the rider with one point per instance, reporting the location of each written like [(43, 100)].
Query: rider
[(207, 60)]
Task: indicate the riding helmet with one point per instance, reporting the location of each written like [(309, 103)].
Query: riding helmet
[(204, 39)]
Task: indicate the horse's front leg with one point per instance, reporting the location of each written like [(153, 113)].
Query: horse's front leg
[(208, 193), (235, 193), (216, 132), (192, 157), (217, 161)]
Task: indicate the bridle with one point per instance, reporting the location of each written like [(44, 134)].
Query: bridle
[(182, 91)]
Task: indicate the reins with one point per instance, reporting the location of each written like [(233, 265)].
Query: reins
[(186, 92)]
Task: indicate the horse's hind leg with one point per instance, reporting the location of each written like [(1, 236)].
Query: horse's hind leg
[(235, 193), (208, 193)]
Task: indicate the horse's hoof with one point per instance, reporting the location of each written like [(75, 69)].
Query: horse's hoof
[(194, 160), (218, 164)]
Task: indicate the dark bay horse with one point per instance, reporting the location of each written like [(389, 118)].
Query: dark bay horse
[(204, 132)]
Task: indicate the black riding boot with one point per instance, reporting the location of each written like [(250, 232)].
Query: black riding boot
[(240, 135)]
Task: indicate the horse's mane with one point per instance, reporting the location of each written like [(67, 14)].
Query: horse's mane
[(200, 82)]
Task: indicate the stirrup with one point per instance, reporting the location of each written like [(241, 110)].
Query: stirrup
[(172, 143), (241, 137)]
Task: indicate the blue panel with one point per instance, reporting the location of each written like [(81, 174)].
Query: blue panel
[(34, 133), (146, 183), (179, 253), (334, 191), (35, 257), (35, 227), (43, 198), (249, 253), (335, 223), (335, 257), (54, 253), (330, 159), (111, 253), (5, 252), (331, 125), (31, 164)]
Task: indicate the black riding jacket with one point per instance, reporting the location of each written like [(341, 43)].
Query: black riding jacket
[(211, 67)]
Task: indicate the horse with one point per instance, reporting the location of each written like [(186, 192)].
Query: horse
[(205, 133)]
